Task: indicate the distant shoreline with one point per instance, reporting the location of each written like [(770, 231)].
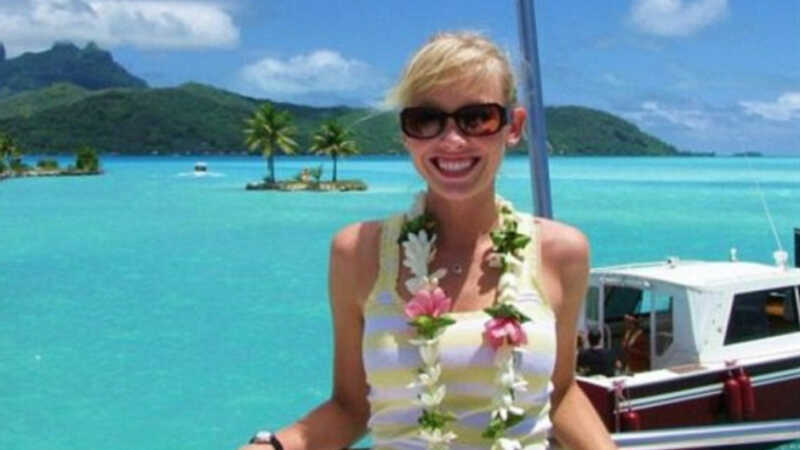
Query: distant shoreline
[(34, 173), (402, 154)]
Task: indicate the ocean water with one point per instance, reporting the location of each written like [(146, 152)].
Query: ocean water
[(150, 309)]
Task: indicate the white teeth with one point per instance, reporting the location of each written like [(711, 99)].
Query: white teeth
[(454, 166)]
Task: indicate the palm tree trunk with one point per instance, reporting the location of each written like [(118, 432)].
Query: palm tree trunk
[(334, 166), (271, 168)]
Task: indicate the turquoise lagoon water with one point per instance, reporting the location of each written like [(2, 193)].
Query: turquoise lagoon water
[(147, 309)]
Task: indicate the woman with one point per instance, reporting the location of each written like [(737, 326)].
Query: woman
[(455, 323)]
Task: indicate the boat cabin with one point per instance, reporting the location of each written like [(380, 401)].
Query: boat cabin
[(694, 313)]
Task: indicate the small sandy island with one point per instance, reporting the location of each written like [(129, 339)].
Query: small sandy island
[(318, 186)]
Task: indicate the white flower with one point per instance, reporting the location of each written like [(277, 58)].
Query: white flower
[(422, 341), (504, 405), (495, 260), (513, 264), (503, 355), (416, 284), (507, 281), (429, 354), (428, 377), (436, 439), (507, 375), (507, 444), (418, 248), (508, 379), (431, 399)]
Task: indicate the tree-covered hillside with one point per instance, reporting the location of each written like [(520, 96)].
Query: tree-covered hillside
[(190, 118), (67, 97), (90, 68), (575, 130)]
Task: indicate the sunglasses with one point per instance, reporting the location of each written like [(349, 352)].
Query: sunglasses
[(425, 122)]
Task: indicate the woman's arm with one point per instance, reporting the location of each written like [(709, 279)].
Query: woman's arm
[(342, 419), (565, 271)]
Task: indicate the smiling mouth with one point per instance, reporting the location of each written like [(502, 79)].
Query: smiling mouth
[(455, 167)]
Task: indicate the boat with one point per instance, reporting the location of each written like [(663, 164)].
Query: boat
[(200, 168), (724, 350), (723, 337)]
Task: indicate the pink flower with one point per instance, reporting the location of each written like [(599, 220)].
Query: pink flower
[(500, 330), (428, 303)]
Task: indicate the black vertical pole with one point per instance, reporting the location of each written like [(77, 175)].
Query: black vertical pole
[(797, 247)]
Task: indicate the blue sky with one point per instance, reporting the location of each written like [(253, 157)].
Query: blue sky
[(704, 75)]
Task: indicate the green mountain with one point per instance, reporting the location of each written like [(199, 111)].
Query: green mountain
[(66, 97), (194, 118), (90, 68), (575, 130), (191, 118), (27, 103)]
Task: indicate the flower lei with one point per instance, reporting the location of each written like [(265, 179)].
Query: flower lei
[(427, 311)]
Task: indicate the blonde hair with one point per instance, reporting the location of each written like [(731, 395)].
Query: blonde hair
[(450, 57)]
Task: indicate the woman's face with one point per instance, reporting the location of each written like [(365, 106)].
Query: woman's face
[(453, 164)]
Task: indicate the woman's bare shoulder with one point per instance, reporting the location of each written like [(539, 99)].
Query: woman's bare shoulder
[(356, 240), (562, 244), (355, 250), (564, 265)]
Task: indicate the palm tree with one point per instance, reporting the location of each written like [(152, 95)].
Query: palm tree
[(270, 130), (10, 154), (334, 140)]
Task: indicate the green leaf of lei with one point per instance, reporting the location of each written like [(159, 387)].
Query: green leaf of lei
[(422, 222), (428, 326), (433, 419), (506, 311), (498, 426)]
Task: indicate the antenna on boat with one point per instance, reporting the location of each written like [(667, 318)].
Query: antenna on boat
[(532, 99), (780, 256)]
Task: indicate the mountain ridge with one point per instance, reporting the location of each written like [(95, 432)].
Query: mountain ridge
[(126, 116), (90, 67)]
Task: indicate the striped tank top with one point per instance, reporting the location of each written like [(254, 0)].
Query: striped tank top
[(468, 368)]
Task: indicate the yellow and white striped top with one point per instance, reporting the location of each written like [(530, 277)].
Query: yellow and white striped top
[(468, 368)]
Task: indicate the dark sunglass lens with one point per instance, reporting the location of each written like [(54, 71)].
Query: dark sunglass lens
[(422, 122), (480, 120)]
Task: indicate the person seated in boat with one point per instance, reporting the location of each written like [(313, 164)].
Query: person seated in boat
[(635, 346), (596, 360), (455, 322)]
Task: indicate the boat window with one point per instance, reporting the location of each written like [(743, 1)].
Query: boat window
[(663, 313), (658, 303), (592, 304), (762, 314), (621, 300)]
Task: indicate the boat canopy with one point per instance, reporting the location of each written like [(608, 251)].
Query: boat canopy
[(696, 312)]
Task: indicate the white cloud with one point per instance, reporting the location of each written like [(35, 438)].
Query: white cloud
[(676, 17), (35, 24), (785, 108), (321, 71), (693, 119), (613, 80)]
